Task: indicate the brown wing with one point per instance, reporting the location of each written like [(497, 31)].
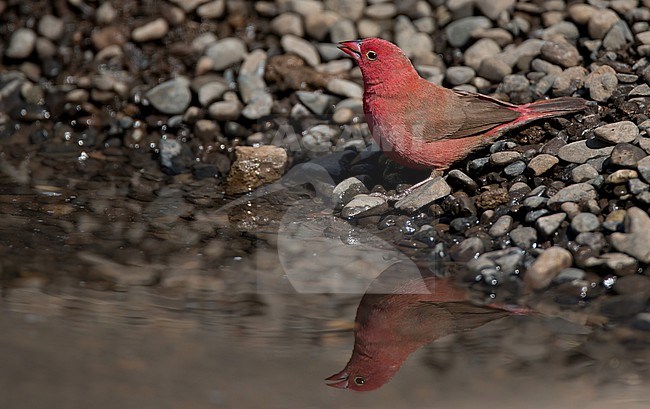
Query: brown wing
[(474, 113)]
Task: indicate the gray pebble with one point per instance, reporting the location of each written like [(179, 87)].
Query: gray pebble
[(318, 23), (618, 37), (345, 88), (565, 29), (636, 237), (459, 31), (570, 274), (364, 205), (459, 75), (524, 237), (381, 11), (548, 225), (212, 9), (561, 52), (225, 110), (504, 158), (642, 90), (21, 43), (582, 151), (343, 30), (515, 168), (644, 168), (51, 27), (637, 186), (424, 195), (467, 249), (601, 83), (460, 176), (288, 23), (105, 14), (171, 97), (226, 52), (211, 92), (318, 139), (250, 80), (317, 102), (585, 222), (618, 132), (259, 106), (352, 9), (569, 81), (594, 240), (583, 173), (626, 155), (345, 191), (574, 193), (479, 51), (494, 69), (501, 226), (302, 48)]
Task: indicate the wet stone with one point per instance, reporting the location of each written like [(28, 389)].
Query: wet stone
[(171, 97), (632, 284), (569, 274), (548, 225), (547, 266), (462, 178), (363, 206), (524, 237), (634, 241), (347, 190), (501, 226), (424, 195), (467, 249), (255, 167), (533, 215), (621, 264), (533, 202), (623, 306), (515, 168), (585, 222), (595, 241)]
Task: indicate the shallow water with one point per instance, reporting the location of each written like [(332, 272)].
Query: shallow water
[(110, 301)]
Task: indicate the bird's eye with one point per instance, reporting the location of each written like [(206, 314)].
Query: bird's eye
[(371, 55), (359, 380)]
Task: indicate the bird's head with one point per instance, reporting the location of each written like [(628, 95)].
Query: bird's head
[(379, 60), (362, 375)]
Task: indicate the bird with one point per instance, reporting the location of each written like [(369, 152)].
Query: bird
[(397, 316), (421, 125)]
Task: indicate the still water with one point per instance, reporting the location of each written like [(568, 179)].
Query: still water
[(112, 299)]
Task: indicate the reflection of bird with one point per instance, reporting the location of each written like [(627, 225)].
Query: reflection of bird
[(424, 126), (395, 320)]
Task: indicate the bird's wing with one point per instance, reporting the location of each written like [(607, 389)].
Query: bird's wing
[(472, 114), (466, 315)]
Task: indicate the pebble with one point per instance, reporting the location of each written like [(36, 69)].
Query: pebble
[(624, 306), (105, 14), (424, 195), (644, 168), (561, 52), (618, 37), (479, 51), (494, 69), (463, 178), (345, 88), (211, 91), (583, 173), (153, 30), (618, 132), (302, 48), (251, 76), (226, 52), (626, 155), (363, 206), (567, 82), (585, 222), (494, 8), (542, 163), (524, 237), (547, 266), (342, 30), (459, 75), (582, 151), (504, 158), (581, 13), (515, 83), (570, 274), (21, 43), (601, 22), (254, 167), (601, 83), (345, 191), (548, 225), (501, 226), (51, 27), (381, 11), (352, 9), (288, 23), (171, 97), (318, 24), (574, 193), (212, 10), (467, 249), (634, 241), (459, 32), (642, 90), (317, 102), (225, 110)]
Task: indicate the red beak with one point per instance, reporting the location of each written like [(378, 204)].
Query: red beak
[(341, 377), (351, 48)]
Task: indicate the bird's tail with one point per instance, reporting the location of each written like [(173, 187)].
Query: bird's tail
[(553, 107)]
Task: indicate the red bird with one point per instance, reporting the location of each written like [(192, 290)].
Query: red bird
[(423, 126), (394, 320)]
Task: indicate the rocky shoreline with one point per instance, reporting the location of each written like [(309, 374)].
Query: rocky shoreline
[(148, 116)]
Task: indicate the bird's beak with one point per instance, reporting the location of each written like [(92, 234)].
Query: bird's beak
[(351, 48), (341, 377)]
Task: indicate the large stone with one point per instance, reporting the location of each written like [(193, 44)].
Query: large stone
[(573, 193), (548, 265), (424, 195), (254, 167), (636, 237)]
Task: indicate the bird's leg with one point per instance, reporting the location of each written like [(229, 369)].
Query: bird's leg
[(436, 173)]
